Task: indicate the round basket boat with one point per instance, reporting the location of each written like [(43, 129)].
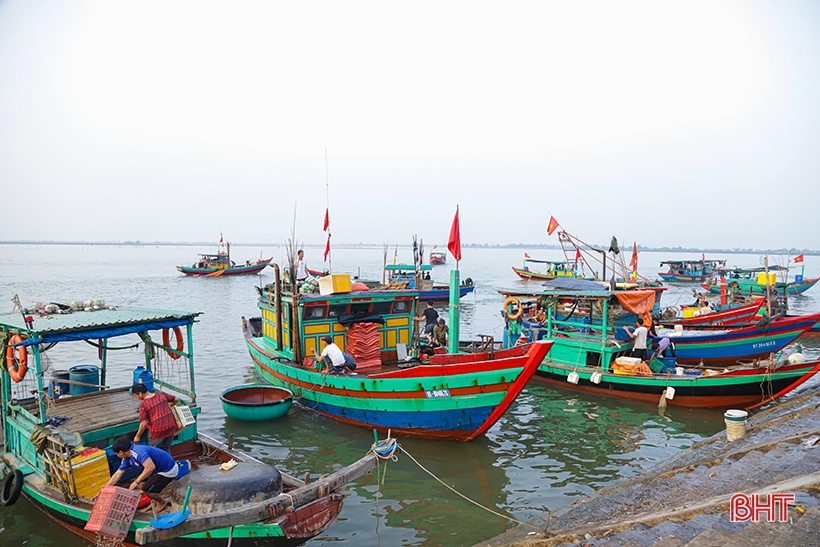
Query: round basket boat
[(256, 403)]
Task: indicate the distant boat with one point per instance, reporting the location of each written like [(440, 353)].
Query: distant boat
[(406, 273), (690, 270), (550, 269), (752, 281), (220, 263), (437, 258)]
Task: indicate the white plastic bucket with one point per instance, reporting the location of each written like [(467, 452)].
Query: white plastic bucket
[(670, 393), (679, 371), (573, 378), (735, 424), (596, 378)]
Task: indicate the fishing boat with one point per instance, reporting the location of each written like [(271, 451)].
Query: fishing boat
[(543, 269), (418, 278), (59, 433), (220, 263), (752, 281), (438, 258), (586, 355), (454, 397), (690, 270), (731, 316)]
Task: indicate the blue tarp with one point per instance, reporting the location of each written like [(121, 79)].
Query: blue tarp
[(104, 332)]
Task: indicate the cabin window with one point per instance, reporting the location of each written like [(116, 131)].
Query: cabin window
[(593, 359), (314, 312), (360, 307), (401, 306), (381, 307), (337, 311)]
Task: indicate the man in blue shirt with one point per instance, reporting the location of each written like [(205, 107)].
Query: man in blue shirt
[(158, 467)]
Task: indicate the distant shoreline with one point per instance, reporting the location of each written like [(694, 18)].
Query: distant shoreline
[(404, 246)]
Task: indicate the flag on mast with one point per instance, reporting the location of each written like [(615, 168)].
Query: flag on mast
[(454, 243), (798, 259), (327, 220), (327, 247), (527, 256), (553, 225), (634, 261)]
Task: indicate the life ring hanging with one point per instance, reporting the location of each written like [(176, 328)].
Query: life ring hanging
[(16, 361), (513, 316), (166, 341)]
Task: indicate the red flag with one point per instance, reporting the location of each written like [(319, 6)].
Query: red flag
[(527, 256), (327, 247), (327, 220), (702, 257), (220, 239), (454, 243), (577, 255), (553, 225), (798, 258), (634, 261)]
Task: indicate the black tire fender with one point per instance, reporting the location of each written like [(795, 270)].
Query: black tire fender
[(12, 486)]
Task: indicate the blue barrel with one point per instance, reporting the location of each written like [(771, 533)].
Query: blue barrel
[(89, 374), (143, 376), (798, 279), (61, 388)]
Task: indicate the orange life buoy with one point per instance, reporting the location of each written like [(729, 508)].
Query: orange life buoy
[(166, 341), (517, 314), (17, 364)]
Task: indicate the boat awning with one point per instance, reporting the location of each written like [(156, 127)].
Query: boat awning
[(92, 325), (572, 284), (407, 267)]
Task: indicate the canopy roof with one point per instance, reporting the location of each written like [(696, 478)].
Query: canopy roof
[(696, 261), (773, 268), (535, 260), (406, 267), (104, 323)]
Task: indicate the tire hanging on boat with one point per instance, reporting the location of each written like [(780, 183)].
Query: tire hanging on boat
[(166, 341), (16, 359), (12, 486)]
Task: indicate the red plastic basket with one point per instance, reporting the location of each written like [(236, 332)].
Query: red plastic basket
[(113, 512)]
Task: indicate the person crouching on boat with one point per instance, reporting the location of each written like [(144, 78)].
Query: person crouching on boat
[(333, 358), (639, 337), (158, 469), (440, 333)]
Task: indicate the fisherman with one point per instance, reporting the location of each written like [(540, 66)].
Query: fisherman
[(158, 469), (639, 337), (661, 346), (333, 358), (301, 267), (440, 332), (155, 416), (430, 316)]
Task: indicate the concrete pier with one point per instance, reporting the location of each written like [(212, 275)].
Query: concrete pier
[(685, 501)]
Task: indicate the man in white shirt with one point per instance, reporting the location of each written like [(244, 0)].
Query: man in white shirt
[(333, 357), (301, 267), (639, 337)]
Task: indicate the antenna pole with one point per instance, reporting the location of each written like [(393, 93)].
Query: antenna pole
[(327, 201)]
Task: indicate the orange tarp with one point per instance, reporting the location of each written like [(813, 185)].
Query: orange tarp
[(641, 369), (639, 303)]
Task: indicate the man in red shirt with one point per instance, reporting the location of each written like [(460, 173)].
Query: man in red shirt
[(156, 416)]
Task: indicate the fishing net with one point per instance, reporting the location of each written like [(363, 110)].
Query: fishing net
[(107, 541)]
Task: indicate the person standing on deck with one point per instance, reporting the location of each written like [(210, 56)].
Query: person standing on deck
[(156, 416), (301, 266), (158, 469), (430, 317), (639, 339)]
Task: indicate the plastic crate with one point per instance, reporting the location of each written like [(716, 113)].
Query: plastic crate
[(183, 416), (113, 512)]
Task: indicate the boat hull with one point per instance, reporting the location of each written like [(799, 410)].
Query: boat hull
[(727, 347), (744, 388), (528, 274), (456, 401), (441, 295), (254, 268), (683, 278), (760, 290)]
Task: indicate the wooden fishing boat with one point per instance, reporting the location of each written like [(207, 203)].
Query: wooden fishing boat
[(405, 274), (732, 316), (77, 459), (690, 270), (752, 281), (437, 258), (547, 269), (445, 399), (585, 353), (220, 263)]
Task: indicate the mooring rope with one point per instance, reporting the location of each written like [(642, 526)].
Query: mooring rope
[(511, 519)]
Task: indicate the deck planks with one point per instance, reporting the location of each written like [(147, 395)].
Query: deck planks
[(97, 410)]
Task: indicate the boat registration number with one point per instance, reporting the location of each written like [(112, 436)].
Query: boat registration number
[(436, 393)]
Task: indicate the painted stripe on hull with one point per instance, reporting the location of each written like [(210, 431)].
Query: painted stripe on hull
[(743, 391), (681, 277)]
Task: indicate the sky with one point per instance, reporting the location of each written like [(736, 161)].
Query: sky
[(690, 124)]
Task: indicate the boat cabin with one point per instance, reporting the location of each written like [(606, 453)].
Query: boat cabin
[(407, 273), (81, 406), (293, 324), (691, 268)]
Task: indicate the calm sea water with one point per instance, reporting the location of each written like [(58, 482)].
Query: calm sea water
[(552, 447)]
